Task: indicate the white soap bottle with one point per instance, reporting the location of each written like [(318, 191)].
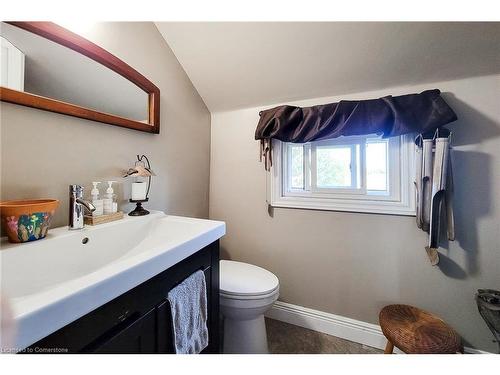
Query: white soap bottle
[(98, 203), (110, 204)]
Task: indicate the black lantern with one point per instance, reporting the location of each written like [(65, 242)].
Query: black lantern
[(140, 189)]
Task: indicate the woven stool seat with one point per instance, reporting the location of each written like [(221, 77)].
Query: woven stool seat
[(417, 331)]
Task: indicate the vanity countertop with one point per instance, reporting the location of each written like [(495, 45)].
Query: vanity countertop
[(51, 282)]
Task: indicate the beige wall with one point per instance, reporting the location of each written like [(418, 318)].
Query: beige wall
[(353, 264), (42, 152)]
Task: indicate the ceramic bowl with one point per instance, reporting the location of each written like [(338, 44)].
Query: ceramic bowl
[(27, 220)]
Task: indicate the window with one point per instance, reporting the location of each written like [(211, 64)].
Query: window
[(360, 174)]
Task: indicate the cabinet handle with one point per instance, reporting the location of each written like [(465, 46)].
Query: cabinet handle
[(123, 316)]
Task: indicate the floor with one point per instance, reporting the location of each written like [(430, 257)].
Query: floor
[(284, 338)]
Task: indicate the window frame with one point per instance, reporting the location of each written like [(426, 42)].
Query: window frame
[(401, 171)]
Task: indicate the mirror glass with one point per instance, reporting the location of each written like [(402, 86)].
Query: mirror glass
[(36, 65)]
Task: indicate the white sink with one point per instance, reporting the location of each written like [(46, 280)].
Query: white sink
[(52, 282)]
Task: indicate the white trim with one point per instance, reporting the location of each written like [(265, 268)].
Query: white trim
[(475, 351), (401, 201), (336, 325)]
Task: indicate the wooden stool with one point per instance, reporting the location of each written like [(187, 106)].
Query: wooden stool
[(416, 331)]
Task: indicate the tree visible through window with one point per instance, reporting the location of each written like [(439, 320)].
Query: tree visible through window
[(297, 167), (334, 166)]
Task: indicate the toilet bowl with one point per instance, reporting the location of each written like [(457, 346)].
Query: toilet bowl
[(246, 293)]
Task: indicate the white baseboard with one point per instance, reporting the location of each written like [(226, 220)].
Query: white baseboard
[(475, 351), (335, 325)]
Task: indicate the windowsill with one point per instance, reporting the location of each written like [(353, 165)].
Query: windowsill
[(373, 207)]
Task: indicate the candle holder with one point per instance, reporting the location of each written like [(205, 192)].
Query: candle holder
[(142, 168), (138, 210)]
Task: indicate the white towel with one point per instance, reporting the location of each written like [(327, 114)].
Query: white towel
[(188, 302)]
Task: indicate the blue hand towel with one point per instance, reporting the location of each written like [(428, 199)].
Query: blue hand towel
[(188, 302)]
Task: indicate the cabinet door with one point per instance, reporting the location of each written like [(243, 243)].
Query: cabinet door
[(137, 337), (164, 334)]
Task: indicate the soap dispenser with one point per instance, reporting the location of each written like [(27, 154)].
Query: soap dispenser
[(98, 203), (110, 203)]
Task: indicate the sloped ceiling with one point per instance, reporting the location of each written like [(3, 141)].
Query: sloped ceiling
[(237, 65)]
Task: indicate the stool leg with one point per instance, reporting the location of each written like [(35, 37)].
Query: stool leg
[(389, 347)]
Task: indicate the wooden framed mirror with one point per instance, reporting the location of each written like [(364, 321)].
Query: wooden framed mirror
[(48, 67)]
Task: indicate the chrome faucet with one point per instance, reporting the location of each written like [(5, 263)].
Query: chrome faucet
[(76, 205)]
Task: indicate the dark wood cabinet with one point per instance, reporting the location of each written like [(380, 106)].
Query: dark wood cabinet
[(137, 337), (140, 320)]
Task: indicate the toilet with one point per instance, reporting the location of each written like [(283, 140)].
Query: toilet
[(246, 293)]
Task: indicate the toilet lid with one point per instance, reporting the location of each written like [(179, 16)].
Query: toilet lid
[(245, 279)]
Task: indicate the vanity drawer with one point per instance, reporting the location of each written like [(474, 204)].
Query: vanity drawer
[(137, 336)]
